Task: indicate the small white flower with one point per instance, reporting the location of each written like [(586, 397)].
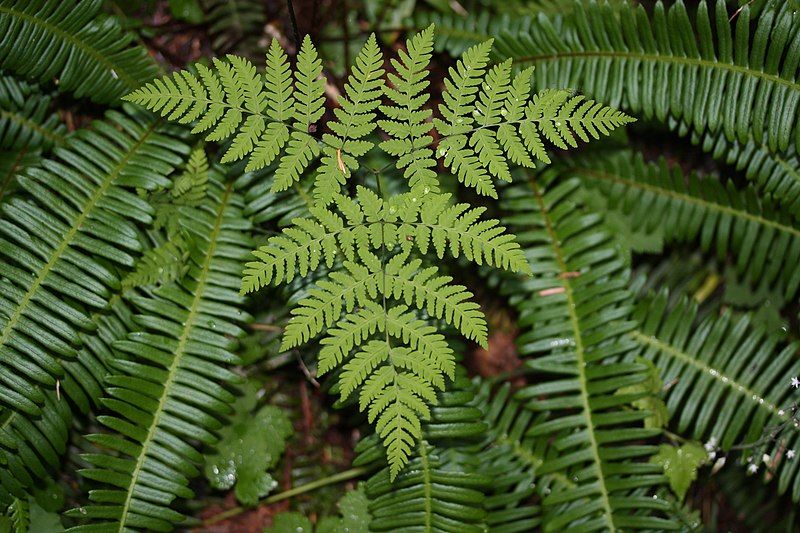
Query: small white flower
[(711, 444), (790, 454), (718, 465), (753, 468), (712, 455), (796, 382), (765, 459)]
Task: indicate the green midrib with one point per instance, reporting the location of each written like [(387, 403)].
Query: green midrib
[(675, 353), (579, 355), (101, 58), (426, 485), (26, 122), (686, 198), (659, 58), (189, 324), (86, 210)]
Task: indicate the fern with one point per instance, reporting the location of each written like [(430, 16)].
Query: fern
[(233, 101), (396, 372), (688, 208), (574, 313), (26, 121), (717, 81), (86, 52), (28, 128), (732, 381), (234, 25), (775, 174), (54, 267), (172, 389)]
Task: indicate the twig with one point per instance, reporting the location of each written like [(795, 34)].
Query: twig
[(293, 19), (285, 495)]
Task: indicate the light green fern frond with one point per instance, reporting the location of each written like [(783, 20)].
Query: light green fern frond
[(407, 123), (355, 119), (427, 224), (159, 265), (488, 119), (255, 112)]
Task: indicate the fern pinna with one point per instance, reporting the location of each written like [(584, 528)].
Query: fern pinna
[(374, 305)]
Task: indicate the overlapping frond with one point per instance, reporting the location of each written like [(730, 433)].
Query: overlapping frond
[(441, 489), (235, 25), (26, 120), (732, 381), (688, 208), (170, 392), (264, 116), (774, 174), (707, 74), (488, 119), (71, 41), (31, 447), (574, 315), (59, 245)]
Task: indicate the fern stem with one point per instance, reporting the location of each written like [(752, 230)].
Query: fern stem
[(296, 491), (293, 19)]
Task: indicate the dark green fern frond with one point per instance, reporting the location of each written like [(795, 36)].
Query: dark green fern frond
[(172, 390), (688, 208), (574, 315), (26, 120), (31, 447), (706, 74), (775, 174), (59, 244), (438, 491), (71, 42), (731, 382), (235, 25)]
